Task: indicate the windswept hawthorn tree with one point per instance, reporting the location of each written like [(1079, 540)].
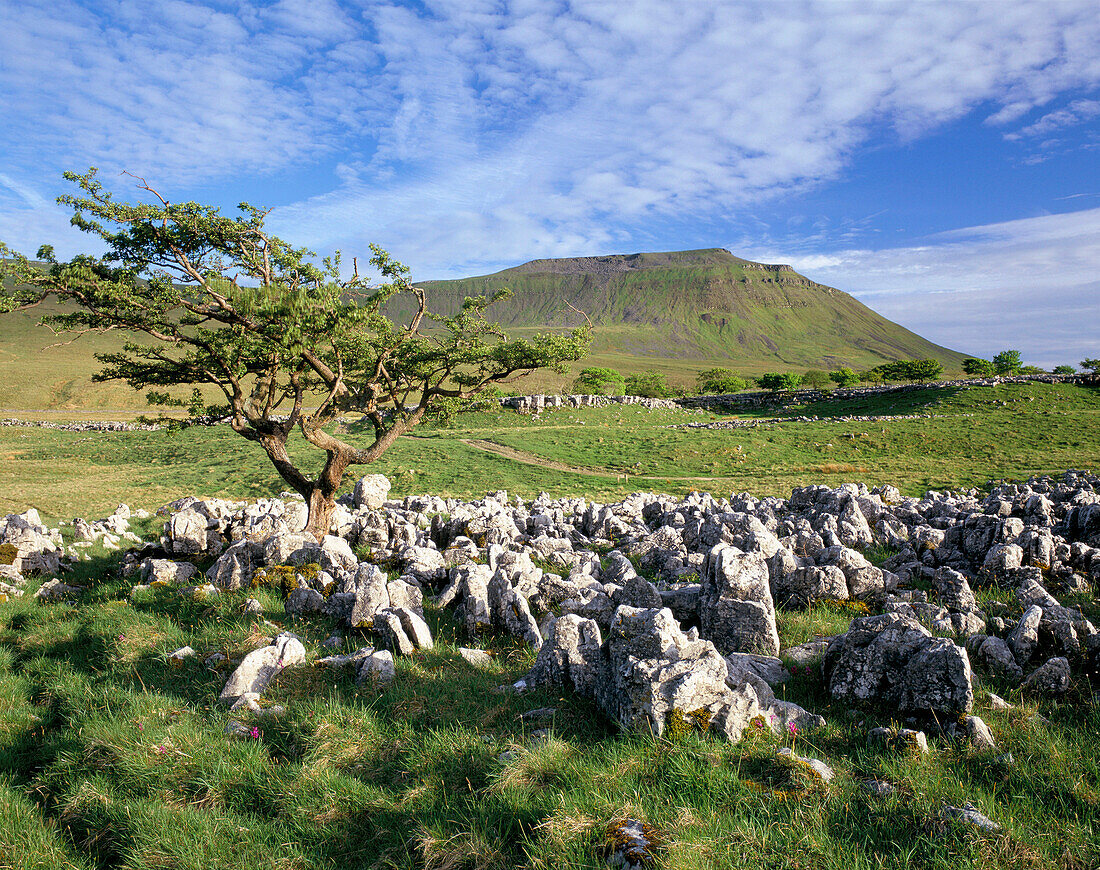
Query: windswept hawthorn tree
[(289, 343)]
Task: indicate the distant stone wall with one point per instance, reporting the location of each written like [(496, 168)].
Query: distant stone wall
[(535, 404), (762, 399)]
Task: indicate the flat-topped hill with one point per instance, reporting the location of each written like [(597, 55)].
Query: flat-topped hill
[(692, 305)]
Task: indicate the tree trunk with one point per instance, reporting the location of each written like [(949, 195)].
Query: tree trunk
[(321, 508)]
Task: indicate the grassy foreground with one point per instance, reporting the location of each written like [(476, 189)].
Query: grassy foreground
[(111, 757)]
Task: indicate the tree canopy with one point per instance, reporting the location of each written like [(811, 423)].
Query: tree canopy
[(719, 381), (1007, 362), (288, 341), (599, 381)]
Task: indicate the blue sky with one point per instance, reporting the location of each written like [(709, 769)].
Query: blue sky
[(939, 161)]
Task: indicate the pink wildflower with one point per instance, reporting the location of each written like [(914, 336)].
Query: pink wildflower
[(254, 733), (792, 728), (161, 749)]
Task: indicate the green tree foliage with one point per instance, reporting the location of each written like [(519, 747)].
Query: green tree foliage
[(978, 368), (1091, 365), (1030, 370), (780, 382), (651, 385), (1065, 370), (1007, 362), (600, 382), (907, 370), (289, 343), (844, 377), (719, 381), (816, 379)]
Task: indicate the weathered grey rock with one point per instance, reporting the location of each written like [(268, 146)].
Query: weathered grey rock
[(424, 564), (186, 532), (1025, 636), (55, 590), (571, 657), (414, 626), (82, 530), (477, 658), (337, 558), (391, 633), (176, 658), (953, 590), (377, 669), (894, 660), (654, 669), (279, 547), (638, 592), (260, 667), (995, 656), (371, 595), (803, 586), (815, 765), (806, 654), (35, 552), (1051, 679), (981, 738), (736, 610), (167, 571), (768, 669), (968, 815), (371, 491), (234, 568), (304, 600)]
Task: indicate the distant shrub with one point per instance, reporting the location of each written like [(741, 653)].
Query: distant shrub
[(600, 382), (651, 385), (1031, 370), (816, 379), (844, 377), (1064, 370), (718, 381), (1091, 365), (907, 370), (779, 382), (978, 368), (1007, 362)]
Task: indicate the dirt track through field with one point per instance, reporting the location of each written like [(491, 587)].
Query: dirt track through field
[(541, 462)]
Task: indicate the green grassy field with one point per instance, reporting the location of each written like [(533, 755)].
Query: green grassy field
[(972, 436), (110, 757)]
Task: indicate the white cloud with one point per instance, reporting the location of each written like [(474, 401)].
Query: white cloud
[(1075, 113), (1029, 284)]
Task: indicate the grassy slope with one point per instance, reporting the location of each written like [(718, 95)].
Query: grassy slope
[(976, 434)]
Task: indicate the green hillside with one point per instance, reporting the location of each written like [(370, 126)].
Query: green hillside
[(676, 313), (697, 305)]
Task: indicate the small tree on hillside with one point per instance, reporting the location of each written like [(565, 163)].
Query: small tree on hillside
[(597, 381), (651, 385), (719, 381), (228, 304), (779, 382), (1064, 370), (1091, 365), (1007, 362), (844, 378), (978, 368), (816, 379)]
